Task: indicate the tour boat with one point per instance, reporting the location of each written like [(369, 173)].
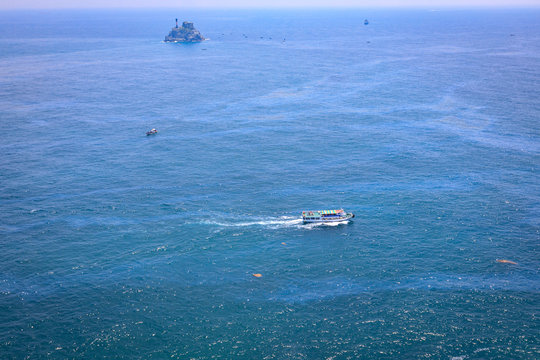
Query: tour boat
[(326, 216)]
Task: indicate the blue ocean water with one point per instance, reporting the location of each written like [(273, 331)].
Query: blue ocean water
[(425, 124)]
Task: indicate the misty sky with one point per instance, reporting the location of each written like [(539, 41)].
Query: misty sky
[(41, 4)]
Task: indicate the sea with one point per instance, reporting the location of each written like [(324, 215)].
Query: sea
[(425, 124)]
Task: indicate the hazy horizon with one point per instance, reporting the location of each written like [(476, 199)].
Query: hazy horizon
[(238, 4)]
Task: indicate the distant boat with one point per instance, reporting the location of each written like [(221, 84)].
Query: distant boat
[(151, 132), (366, 22), (326, 216)]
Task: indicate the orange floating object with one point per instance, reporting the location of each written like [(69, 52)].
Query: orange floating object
[(506, 261), (283, 243), (257, 275)]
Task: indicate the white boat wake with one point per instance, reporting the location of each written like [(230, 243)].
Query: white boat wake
[(281, 222)]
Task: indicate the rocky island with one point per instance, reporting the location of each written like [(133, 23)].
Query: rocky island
[(186, 33)]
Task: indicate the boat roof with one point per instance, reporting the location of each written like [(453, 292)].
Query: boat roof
[(323, 212)]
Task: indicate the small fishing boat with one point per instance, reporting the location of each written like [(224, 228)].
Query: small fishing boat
[(326, 216), (151, 132)]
